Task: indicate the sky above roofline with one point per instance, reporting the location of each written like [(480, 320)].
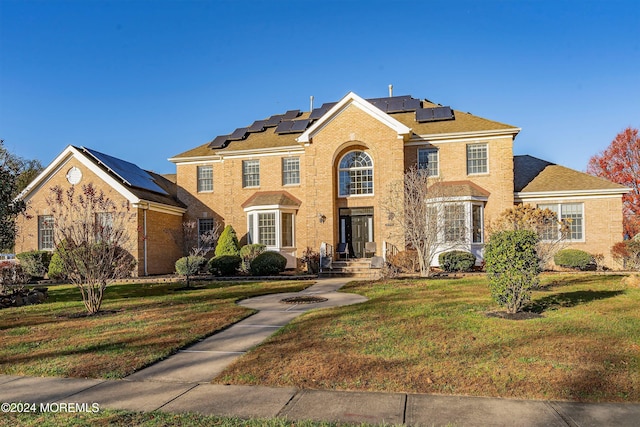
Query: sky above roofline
[(143, 81)]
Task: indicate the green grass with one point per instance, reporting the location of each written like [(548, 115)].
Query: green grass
[(434, 336), (149, 419), (139, 324)]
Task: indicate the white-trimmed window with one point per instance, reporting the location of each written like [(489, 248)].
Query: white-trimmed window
[(291, 170), (205, 178), (477, 159), (477, 223), (573, 213), (355, 174), (45, 233), (272, 228), (428, 161), (251, 173), (454, 222)]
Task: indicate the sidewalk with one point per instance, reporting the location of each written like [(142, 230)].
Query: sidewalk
[(181, 383)]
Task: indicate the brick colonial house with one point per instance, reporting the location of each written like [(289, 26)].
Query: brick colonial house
[(320, 178)]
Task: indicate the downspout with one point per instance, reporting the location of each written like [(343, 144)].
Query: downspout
[(144, 207)]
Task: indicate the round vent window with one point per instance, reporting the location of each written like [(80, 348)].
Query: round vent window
[(74, 175)]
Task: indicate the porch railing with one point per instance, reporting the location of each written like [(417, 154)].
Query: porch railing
[(388, 250)]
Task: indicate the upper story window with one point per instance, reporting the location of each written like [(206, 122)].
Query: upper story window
[(477, 159), (355, 174), (251, 173), (291, 170), (573, 213), (205, 178), (45, 233), (428, 160)]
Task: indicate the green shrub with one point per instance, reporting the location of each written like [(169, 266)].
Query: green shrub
[(228, 242), (512, 266), (573, 258), (56, 267), (268, 264), (35, 263), (248, 253), (224, 265), (457, 261), (190, 265)]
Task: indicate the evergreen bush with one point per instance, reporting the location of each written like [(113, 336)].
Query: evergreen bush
[(224, 265), (512, 266), (248, 253), (190, 265), (573, 258), (268, 264), (56, 267), (35, 263), (457, 261), (228, 242)]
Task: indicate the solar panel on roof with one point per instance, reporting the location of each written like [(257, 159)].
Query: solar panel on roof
[(219, 141), (273, 120), (433, 114), (291, 114), (395, 106), (128, 172), (237, 134), (257, 126), (300, 125), (284, 126), (411, 104), (319, 112)]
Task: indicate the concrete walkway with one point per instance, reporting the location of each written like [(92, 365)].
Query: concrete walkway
[(181, 383)]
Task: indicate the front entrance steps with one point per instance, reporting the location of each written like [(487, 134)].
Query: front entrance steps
[(355, 267)]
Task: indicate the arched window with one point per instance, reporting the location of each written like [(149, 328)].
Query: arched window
[(355, 174)]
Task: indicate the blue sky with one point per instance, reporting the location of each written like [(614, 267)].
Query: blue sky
[(145, 80)]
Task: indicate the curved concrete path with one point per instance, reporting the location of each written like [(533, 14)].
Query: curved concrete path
[(205, 360)]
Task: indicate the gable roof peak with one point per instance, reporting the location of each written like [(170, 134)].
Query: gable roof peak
[(349, 99)]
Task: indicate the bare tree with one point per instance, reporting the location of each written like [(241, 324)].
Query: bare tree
[(552, 233), (91, 234), (427, 216)]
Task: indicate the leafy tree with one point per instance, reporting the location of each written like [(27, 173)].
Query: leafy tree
[(552, 233), (512, 267), (620, 163), (92, 237), (420, 218), (228, 243), (9, 208)]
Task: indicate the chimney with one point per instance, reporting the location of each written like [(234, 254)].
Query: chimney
[(390, 91)]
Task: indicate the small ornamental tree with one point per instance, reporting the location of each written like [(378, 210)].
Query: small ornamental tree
[(512, 267), (92, 236), (228, 242), (195, 246)]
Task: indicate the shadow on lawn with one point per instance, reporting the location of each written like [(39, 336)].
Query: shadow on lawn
[(568, 299)]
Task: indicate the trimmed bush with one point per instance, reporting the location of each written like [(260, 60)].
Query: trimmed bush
[(56, 268), (190, 265), (268, 264), (228, 242), (573, 258), (225, 265), (248, 253), (457, 261), (35, 263), (512, 266)]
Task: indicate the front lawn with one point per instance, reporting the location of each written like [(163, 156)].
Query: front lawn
[(434, 336), (139, 324)]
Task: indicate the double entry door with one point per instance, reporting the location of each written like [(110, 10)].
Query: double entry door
[(356, 229)]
